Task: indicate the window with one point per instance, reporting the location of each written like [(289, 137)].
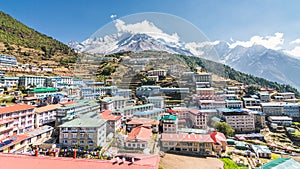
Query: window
[(74, 142), (81, 135), (65, 135), (74, 135), (90, 142), (65, 141), (81, 141), (91, 135)]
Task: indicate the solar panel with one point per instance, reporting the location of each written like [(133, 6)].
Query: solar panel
[(94, 115), (7, 142)]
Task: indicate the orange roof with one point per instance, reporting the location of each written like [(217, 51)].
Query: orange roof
[(140, 133), (47, 108), (142, 121), (106, 115), (12, 161), (67, 103), (15, 107)]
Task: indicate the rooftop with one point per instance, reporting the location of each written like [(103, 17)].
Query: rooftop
[(47, 108), (134, 107), (29, 162), (261, 149), (218, 137), (111, 99), (149, 112), (107, 115), (282, 163), (249, 99), (169, 117), (143, 121), (87, 120), (15, 108), (280, 118), (192, 130), (140, 133), (43, 90), (203, 138)]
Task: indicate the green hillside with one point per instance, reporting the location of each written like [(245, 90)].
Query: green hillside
[(14, 34), (228, 72)]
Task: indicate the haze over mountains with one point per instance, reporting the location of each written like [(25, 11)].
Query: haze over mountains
[(259, 56)]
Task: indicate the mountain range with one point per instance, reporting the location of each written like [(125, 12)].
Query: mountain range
[(256, 60)]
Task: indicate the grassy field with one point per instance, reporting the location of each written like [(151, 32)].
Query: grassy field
[(229, 164)]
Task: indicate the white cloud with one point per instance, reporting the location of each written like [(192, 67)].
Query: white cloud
[(195, 48), (145, 27), (271, 42), (296, 41), (294, 52), (113, 16)]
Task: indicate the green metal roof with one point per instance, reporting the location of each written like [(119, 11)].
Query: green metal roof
[(216, 119), (43, 90), (85, 121), (282, 163), (169, 117)]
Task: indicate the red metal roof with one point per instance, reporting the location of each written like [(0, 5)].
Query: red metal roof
[(30, 162), (106, 115), (140, 133), (15, 107), (218, 137)]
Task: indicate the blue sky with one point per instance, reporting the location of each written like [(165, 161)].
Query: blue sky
[(67, 20)]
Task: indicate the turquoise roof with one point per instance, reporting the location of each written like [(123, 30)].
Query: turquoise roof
[(169, 117), (43, 90), (282, 163), (216, 119)]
